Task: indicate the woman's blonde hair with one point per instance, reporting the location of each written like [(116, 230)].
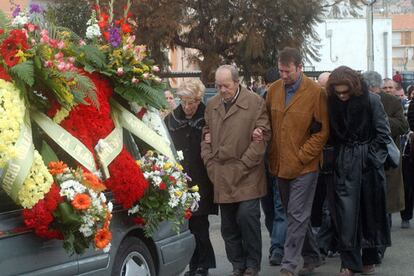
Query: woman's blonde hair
[(193, 88)]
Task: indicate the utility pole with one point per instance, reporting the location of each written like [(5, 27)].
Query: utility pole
[(370, 33)]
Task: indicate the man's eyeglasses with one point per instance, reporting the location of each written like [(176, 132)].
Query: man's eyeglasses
[(342, 93)]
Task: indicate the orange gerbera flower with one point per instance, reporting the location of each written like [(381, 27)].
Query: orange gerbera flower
[(92, 182), (102, 238), (56, 168), (108, 217), (81, 202)]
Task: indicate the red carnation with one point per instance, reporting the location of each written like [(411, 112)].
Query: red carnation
[(126, 28), (139, 220), (4, 75), (187, 214), (163, 186)]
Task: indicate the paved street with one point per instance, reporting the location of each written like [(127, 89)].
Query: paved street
[(398, 261)]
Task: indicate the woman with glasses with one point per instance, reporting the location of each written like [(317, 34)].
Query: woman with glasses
[(360, 133), (185, 125)]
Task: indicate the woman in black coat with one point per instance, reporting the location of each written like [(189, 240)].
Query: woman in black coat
[(360, 133), (185, 124)]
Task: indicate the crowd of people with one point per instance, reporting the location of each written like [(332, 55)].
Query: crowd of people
[(318, 156)]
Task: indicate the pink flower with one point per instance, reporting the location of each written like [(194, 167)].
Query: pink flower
[(134, 80), (44, 39), (61, 66), (30, 27), (48, 64), (59, 56), (61, 45), (120, 71), (146, 75), (155, 68), (130, 39), (82, 42), (71, 59), (53, 43), (68, 66), (44, 32)]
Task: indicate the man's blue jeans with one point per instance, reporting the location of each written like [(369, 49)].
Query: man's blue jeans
[(279, 221)]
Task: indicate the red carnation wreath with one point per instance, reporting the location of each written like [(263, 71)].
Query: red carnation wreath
[(89, 124)]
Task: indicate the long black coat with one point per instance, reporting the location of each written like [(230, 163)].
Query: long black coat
[(359, 134), (186, 135)]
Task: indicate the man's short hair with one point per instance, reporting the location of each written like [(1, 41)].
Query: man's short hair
[(288, 55), (372, 79), (233, 70)]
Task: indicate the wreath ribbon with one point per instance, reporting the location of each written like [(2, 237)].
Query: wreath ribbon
[(141, 130), (110, 147), (65, 140), (17, 169)]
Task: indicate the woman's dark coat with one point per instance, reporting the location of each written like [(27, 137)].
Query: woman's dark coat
[(359, 134), (186, 135)]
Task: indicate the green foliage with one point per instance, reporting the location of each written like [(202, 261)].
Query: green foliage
[(4, 20), (143, 94), (48, 153), (84, 87), (91, 57), (24, 72)]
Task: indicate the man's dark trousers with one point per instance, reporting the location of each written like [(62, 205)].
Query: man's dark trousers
[(297, 198), (241, 231)]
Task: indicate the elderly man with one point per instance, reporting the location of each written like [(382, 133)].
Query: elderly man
[(298, 113), (389, 86), (235, 165)]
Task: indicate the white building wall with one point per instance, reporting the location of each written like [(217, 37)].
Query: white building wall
[(344, 42)]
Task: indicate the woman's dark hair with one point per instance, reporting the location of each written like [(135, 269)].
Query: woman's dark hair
[(344, 75), (410, 90)]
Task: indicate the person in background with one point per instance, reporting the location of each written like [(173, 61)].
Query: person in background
[(399, 93), (323, 78), (235, 165), (359, 132), (298, 113), (185, 124), (323, 204), (275, 217), (397, 77), (408, 162), (169, 96), (389, 86), (399, 126)]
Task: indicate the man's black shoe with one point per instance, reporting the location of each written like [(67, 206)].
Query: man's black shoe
[(275, 259)]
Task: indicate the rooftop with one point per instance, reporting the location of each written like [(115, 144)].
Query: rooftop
[(403, 21)]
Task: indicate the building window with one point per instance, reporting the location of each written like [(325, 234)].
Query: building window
[(406, 38)]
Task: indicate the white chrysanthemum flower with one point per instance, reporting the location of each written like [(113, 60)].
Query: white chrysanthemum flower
[(133, 210), (180, 155), (20, 20), (86, 230), (102, 197), (110, 206), (93, 31), (157, 180), (69, 193)]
